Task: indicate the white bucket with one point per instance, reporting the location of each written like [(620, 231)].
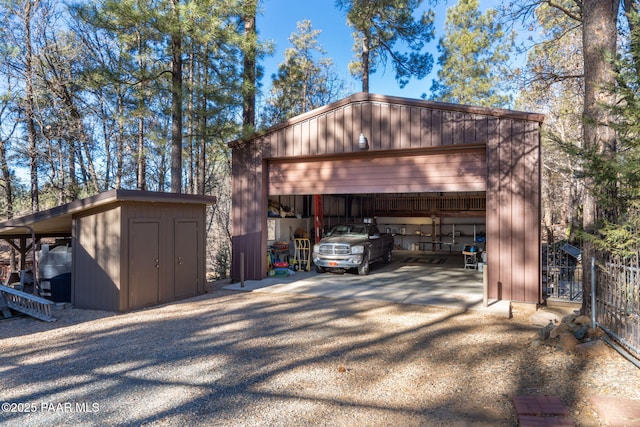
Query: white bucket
[(481, 267)]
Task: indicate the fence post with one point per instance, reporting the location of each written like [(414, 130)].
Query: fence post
[(242, 269), (593, 292)]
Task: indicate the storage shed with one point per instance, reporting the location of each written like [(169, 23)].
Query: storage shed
[(402, 161), (130, 249)]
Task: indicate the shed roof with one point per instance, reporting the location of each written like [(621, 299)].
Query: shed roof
[(58, 221)]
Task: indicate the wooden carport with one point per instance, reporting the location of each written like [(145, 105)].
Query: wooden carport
[(411, 146)]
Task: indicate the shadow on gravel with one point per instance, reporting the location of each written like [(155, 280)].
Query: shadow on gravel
[(258, 359)]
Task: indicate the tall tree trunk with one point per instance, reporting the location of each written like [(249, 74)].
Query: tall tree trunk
[(120, 143), (107, 144), (192, 121), (6, 177), (365, 64), (176, 107), (249, 67), (8, 193), (30, 106), (599, 36), (141, 160), (141, 156), (202, 146)]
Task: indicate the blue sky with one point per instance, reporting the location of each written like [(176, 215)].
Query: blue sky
[(278, 20)]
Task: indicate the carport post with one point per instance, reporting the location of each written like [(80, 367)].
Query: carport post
[(242, 269), (485, 288)]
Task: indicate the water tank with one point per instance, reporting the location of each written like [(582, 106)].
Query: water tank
[(54, 272)]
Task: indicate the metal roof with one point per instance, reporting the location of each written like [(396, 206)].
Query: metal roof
[(57, 221)]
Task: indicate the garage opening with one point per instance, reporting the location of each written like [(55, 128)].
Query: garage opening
[(429, 229)]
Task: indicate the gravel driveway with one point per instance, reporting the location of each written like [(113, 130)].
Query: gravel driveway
[(256, 359)]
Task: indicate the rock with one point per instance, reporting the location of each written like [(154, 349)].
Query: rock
[(568, 341), (555, 332), (595, 348), (544, 332), (581, 332), (543, 318), (582, 320), (594, 333)]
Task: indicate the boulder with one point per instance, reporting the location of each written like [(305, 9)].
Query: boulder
[(568, 341), (595, 348), (546, 331), (582, 320), (581, 332)]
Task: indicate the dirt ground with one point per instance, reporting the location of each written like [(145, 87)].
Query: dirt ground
[(256, 359)]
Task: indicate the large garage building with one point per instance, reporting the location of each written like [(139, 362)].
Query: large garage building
[(437, 175)]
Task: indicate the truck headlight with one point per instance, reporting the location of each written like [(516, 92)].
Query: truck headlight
[(357, 249)]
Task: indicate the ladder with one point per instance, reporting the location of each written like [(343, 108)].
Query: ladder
[(318, 217), (303, 254), (23, 302)]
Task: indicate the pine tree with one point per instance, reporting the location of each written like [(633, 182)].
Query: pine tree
[(473, 58), (378, 27), (303, 82)]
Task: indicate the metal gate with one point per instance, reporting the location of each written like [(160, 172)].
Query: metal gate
[(562, 271), (615, 283)]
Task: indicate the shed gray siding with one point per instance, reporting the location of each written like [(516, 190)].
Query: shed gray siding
[(319, 149)]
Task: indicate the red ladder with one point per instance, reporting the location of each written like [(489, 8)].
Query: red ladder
[(318, 217)]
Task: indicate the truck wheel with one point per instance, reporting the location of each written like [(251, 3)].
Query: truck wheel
[(363, 269), (387, 256), (320, 269)]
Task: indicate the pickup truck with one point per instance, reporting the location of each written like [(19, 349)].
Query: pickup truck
[(349, 246)]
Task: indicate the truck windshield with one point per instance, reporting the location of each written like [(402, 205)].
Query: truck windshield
[(343, 229)]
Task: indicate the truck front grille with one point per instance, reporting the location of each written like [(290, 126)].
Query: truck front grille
[(331, 249)]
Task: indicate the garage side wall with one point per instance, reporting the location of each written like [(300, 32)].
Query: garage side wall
[(513, 211), (249, 214)]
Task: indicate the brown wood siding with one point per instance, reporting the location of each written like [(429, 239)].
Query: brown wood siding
[(443, 172), (533, 214), (386, 126), (249, 213), (513, 212), (96, 280)]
